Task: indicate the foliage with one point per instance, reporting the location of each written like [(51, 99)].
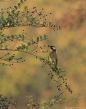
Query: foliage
[(56, 99), (18, 18), (26, 17), (57, 72)]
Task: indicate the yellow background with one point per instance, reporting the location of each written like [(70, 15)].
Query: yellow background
[(30, 77)]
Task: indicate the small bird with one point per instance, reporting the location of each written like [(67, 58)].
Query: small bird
[(53, 56)]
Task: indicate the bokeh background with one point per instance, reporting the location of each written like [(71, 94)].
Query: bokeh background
[(30, 77)]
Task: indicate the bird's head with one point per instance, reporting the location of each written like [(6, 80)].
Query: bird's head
[(52, 48)]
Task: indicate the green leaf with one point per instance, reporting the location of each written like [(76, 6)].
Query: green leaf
[(25, 8), (3, 64), (32, 18), (19, 47), (63, 71), (37, 39), (12, 36), (64, 99), (19, 35), (1, 34), (27, 49), (29, 43), (23, 46), (43, 25), (60, 100), (42, 58), (40, 37), (21, 1), (43, 20), (53, 100), (75, 97), (7, 19), (38, 23), (10, 58), (6, 46), (59, 68), (18, 12), (32, 41), (13, 11), (15, 7), (22, 37), (44, 36), (51, 105), (3, 24), (27, 17), (30, 96), (18, 4), (17, 22), (30, 100), (50, 23), (5, 39), (7, 12)]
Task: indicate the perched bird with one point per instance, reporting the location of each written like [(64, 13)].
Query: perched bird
[(53, 56)]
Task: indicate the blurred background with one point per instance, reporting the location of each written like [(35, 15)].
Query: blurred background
[(30, 77)]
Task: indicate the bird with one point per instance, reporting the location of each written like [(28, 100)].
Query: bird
[(53, 57)]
